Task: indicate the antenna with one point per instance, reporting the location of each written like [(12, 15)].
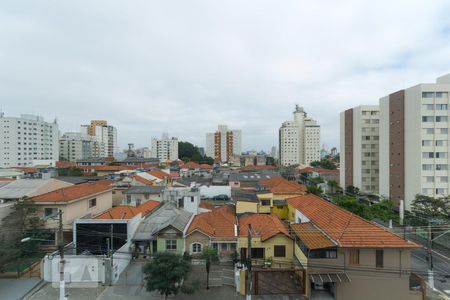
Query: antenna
[(2, 114)]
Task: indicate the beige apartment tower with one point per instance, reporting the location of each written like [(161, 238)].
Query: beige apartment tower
[(359, 140)]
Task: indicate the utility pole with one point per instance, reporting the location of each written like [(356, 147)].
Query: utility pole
[(249, 263), (430, 258), (62, 283), (112, 254)]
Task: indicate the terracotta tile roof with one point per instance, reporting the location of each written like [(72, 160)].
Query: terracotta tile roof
[(345, 228), (318, 170), (206, 205), (219, 222), (174, 175), (279, 185), (190, 165), (205, 166), (311, 236), (7, 179), (263, 225), (123, 212), (28, 170), (143, 180), (158, 174), (106, 168), (74, 192), (65, 164)]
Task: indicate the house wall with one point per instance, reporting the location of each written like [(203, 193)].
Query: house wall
[(161, 245), (118, 195), (244, 206), (196, 237), (281, 211), (268, 245), (76, 209)]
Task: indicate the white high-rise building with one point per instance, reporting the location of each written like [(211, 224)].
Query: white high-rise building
[(223, 144), (359, 161), (165, 148), (299, 140), (76, 145), (414, 142), (26, 139), (105, 134)]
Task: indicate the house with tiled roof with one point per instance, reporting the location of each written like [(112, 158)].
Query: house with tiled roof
[(346, 255), (216, 229), (75, 201), (271, 242)]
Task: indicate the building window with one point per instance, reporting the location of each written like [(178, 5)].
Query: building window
[(171, 245), (441, 118), (427, 94), (379, 258), (428, 119), (427, 167), (441, 106), (196, 248), (92, 203), (50, 212), (258, 253), (279, 251), (353, 257)]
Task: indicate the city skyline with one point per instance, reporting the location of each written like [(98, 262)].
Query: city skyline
[(134, 66)]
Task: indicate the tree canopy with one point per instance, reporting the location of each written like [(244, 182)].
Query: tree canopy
[(324, 164), (189, 152), (431, 207), (167, 274)]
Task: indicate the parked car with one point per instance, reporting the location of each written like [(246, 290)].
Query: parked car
[(221, 197)]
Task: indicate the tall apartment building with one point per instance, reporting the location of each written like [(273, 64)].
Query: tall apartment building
[(105, 134), (26, 139), (223, 144), (414, 142), (74, 146), (299, 140), (165, 148), (359, 139)]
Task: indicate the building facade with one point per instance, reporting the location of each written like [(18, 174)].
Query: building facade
[(75, 146), (165, 148), (26, 139), (299, 140), (105, 134), (223, 144), (359, 139), (414, 142)]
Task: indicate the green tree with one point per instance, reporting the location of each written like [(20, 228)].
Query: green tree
[(314, 189), (167, 273), (352, 190), (332, 185), (189, 152), (210, 256), (430, 207), (324, 164), (354, 206)]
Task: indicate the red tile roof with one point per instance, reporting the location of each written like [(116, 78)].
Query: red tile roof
[(265, 226), (345, 228), (158, 174), (311, 236), (123, 212), (318, 170), (279, 185), (190, 165), (65, 164), (74, 192), (7, 179), (143, 180), (219, 222), (28, 170), (206, 167)]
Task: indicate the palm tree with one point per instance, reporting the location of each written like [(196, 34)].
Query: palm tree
[(209, 255)]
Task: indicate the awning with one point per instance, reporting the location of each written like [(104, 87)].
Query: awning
[(329, 277)]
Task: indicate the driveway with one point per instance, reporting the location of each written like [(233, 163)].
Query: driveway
[(16, 288)]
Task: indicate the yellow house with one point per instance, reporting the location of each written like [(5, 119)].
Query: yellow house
[(271, 244)]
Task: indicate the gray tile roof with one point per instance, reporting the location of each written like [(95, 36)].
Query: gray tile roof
[(21, 188), (145, 190), (166, 215)]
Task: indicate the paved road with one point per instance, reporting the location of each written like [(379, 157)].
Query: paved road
[(419, 264), (16, 288)]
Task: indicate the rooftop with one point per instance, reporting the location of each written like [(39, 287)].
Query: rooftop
[(311, 236), (145, 190), (345, 228), (74, 192), (23, 187), (220, 222), (123, 212), (279, 185), (265, 226)]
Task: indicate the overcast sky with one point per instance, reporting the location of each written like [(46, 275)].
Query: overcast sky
[(183, 67)]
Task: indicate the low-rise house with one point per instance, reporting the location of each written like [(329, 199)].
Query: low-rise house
[(270, 240), (247, 180), (138, 162), (20, 188), (76, 201), (163, 230), (103, 170), (346, 256), (96, 161), (137, 195), (190, 169), (153, 177), (216, 229), (305, 174), (185, 198)]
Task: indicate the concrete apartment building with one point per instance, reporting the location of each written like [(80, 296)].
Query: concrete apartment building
[(75, 146), (299, 140), (223, 144), (359, 141), (165, 148), (105, 134), (414, 142), (26, 139)]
